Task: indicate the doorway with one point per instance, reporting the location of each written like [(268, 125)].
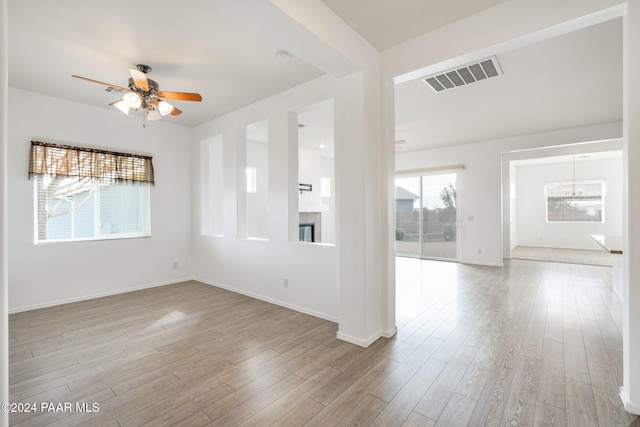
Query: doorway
[(427, 216)]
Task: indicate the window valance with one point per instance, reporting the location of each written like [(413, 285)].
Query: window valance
[(105, 166)]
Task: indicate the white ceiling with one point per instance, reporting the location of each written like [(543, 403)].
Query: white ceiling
[(189, 44), (569, 81), (385, 23)]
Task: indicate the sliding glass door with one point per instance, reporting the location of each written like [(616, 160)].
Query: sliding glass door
[(408, 228), (426, 216)]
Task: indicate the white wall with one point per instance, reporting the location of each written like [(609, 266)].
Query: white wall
[(4, 264), (532, 228), (258, 202), (212, 212), (310, 172), (329, 217), (630, 393), (480, 185), (511, 217), (47, 274), (254, 267)]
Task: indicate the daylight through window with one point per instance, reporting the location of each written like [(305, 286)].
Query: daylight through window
[(581, 201), (87, 194)]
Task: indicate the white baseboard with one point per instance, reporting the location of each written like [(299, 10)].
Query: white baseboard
[(366, 342), (97, 295), (630, 407), (390, 333), (481, 263), (269, 300)]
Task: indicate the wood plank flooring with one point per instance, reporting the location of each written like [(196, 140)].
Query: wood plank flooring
[(533, 343)]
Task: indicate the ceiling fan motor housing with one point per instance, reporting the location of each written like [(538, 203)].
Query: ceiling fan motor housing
[(153, 86), (144, 68)]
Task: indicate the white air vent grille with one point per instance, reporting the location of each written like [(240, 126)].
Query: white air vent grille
[(113, 89), (471, 73)]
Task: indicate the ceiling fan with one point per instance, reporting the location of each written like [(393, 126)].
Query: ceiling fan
[(145, 93)]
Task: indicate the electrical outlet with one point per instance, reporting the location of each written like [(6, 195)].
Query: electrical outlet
[(285, 282)]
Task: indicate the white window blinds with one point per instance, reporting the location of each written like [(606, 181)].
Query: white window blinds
[(89, 194)]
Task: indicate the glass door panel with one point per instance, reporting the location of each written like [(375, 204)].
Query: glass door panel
[(426, 216), (439, 216), (408, 225)]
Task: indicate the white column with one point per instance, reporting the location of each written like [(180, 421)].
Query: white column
[(4, 265), (388, 187), (361, 210), (630, 392)]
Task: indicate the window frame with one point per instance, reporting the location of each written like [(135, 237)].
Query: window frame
[(143, 214), (61, 173), (569, 198)]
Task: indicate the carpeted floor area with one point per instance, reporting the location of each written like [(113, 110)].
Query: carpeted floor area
[(570, 256)]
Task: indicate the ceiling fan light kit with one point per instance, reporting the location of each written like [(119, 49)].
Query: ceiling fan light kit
[(165, 108), (121, 105), (132, 100), (144, 93)]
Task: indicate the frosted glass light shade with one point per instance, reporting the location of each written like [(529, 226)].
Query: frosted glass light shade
[(165, 108), (153, 114), (132, 99), (120, 105)]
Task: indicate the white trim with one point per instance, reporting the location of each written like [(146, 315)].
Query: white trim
[(483, 263), (422, 171), (629, 406), (360, 342), (4, 209), (390, 332), (173, 282), (269, 300), (98, 295)]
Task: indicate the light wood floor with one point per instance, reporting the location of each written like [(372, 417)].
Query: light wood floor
[(569, 256), (530, 344)]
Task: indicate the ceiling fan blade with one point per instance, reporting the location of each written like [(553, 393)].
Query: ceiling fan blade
[(176, 111), (180, 96), (139, 79), (102, 83)]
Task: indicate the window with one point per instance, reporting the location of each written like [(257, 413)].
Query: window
[(87, 194), (581, 201)]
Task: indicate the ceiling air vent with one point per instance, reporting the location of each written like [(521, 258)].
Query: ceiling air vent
[(470, 73)]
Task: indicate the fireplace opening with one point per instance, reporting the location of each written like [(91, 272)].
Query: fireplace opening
[(307, 232)]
